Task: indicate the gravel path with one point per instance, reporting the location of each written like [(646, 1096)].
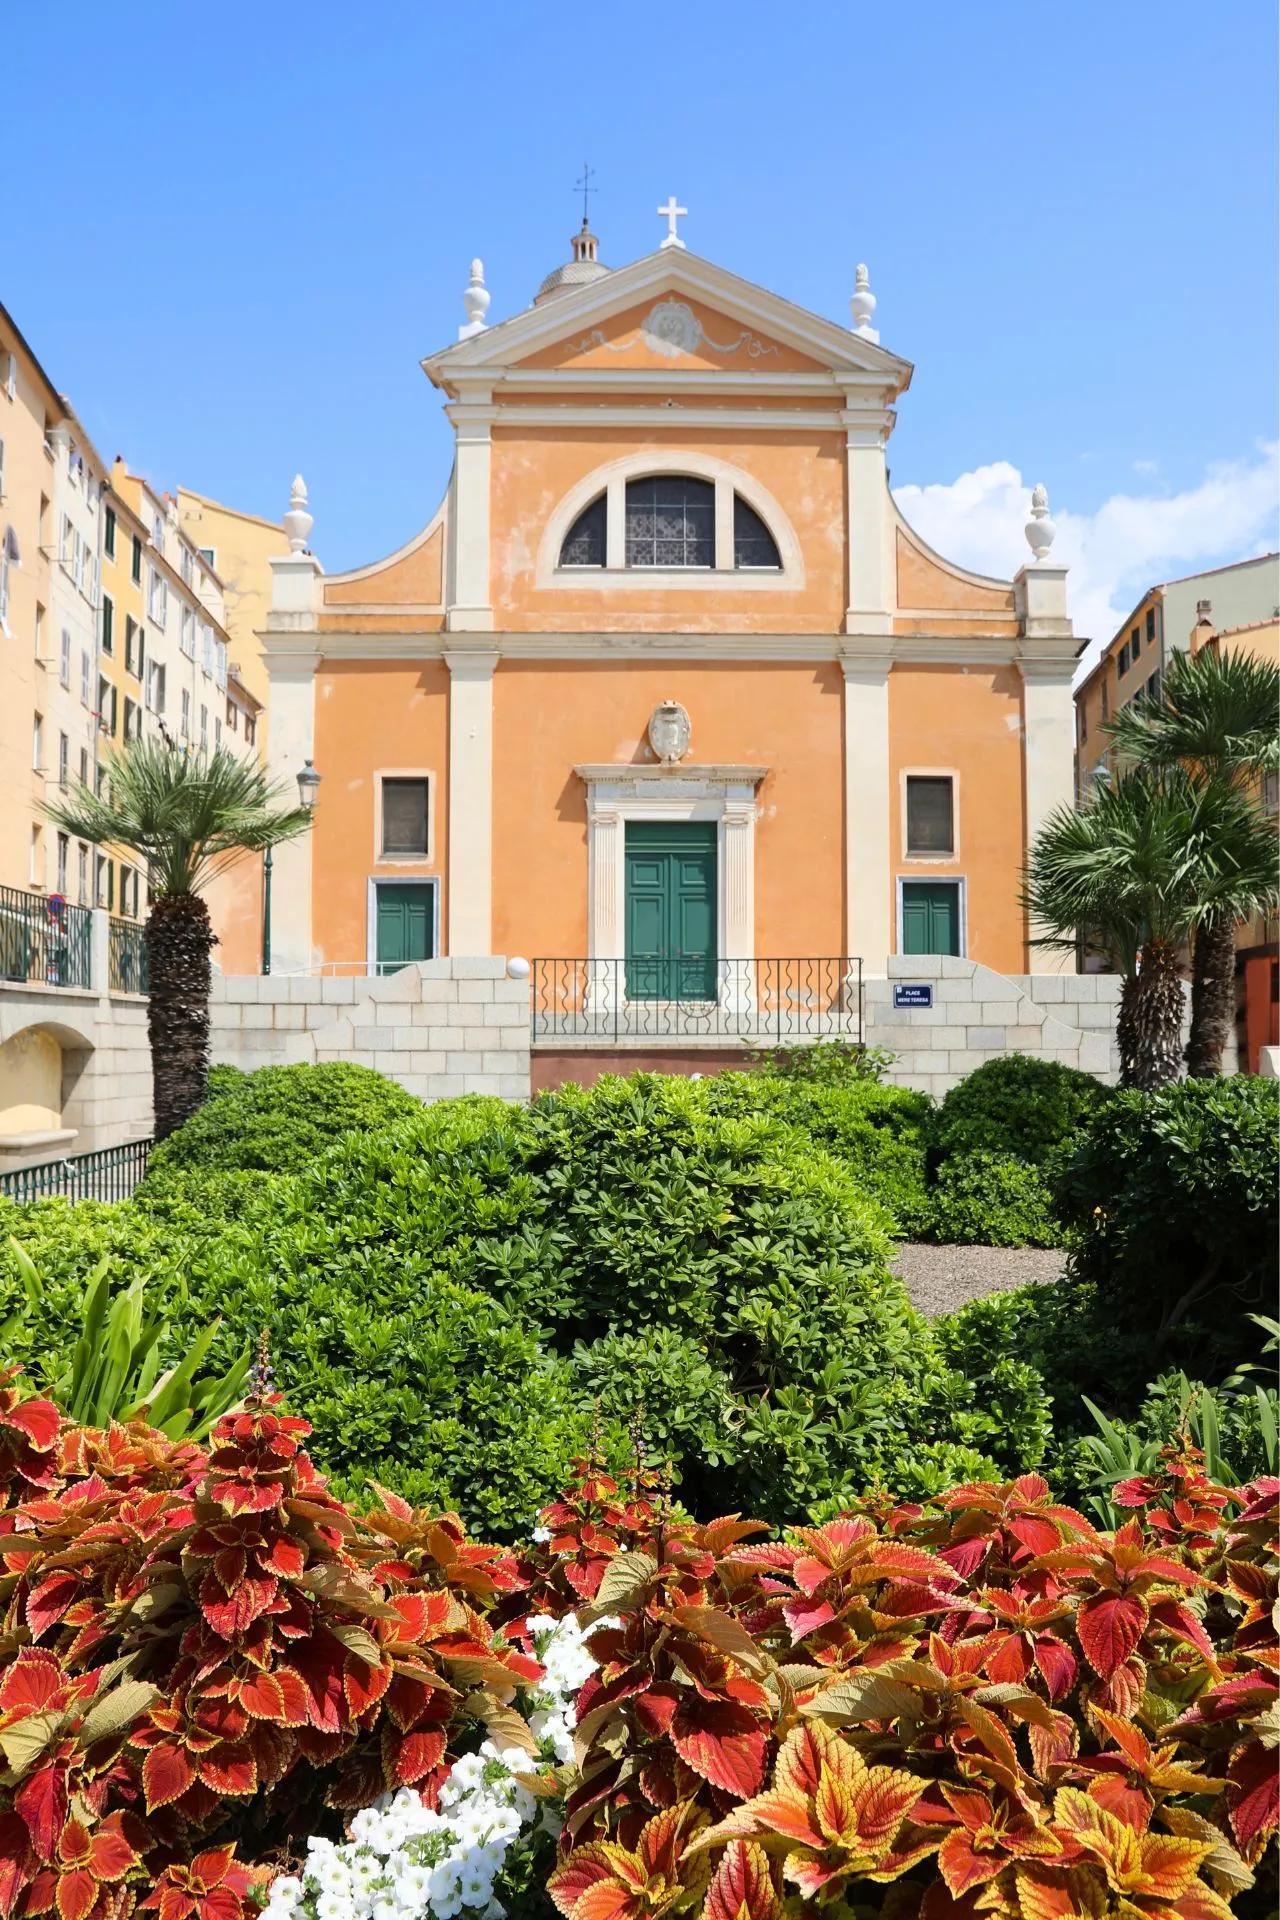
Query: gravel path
[(939, 1279)]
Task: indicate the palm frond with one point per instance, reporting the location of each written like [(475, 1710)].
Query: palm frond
[(1218, 715), (187, 816)]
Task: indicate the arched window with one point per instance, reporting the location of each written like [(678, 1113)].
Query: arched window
[(584, 543), (753, 544), (671, 522)]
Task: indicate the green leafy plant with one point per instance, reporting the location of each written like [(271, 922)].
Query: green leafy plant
[(279, 1119), (114, 1372), (826, 1063), (1014, 1104), (992, 1200)]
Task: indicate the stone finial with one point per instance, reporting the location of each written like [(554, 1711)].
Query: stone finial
[(1040, 530), (476, 301), (862, 304), (298, 522)]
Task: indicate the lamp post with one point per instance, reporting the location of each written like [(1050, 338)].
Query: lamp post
[(308, 788)]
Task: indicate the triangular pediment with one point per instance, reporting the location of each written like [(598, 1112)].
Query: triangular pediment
[(670, 312)]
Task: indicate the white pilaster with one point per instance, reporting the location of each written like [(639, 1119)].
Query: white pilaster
[(868, 929), (871, 584), (469, 608), (1046, 659), (470, 893), (738, 838), (291, 742)]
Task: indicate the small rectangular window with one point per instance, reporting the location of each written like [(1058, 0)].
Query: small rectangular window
[(37, 742), (64, 849), (64, 759), (931, 815), (82, 873), (135, 565), (64, 658), (84, 766), (404, 819), (1151, 625), (108, 624), (109, 533), (186, 714)]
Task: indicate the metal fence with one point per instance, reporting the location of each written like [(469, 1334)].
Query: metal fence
[(126, 957), (44, 940), (765, 1002), (110, 1174)]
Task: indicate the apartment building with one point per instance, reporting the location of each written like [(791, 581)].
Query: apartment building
[(1163, 622)]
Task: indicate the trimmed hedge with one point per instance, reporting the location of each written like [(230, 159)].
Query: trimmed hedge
[(1016, 1105), (278, 1119)]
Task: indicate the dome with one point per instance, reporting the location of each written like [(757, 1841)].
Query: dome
[(578, 272)]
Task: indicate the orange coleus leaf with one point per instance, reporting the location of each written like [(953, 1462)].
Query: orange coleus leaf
[(76, 1894), (585, 1868), (742, 1887), (721, 1741), (1072, 1893), (1109, 1627)]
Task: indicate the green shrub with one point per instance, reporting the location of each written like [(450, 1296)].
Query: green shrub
[(1170, 1199), (1015, 1105), (992, 1200), (876, 1132), (279, 1119), (828, 1063)]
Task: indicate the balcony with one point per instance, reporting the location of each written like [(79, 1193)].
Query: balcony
[(43, 940), (648, 1002)]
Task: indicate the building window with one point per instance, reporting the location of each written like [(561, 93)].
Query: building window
[(670, 522), (232, 721), (584, 544), (36, 869), (64, 657), (108, 624), (107, 709), (10, 557), (188, 567), (86, 678), (217, 731), (103, 883), (64, 759), (204, 729), (84, 766), (133, 646), (405, 819), (187, 633), (1135, 642), (931, 827), (1122, 665), (155, 686), (11, 376), (64, 854), (132, 719), (206, 649), (250, 729), (157, 597), (186, 714), (1106, 701), (754, 546), (1151, 626), (37, 742), (109, 533), (82, 873), (135, 564)]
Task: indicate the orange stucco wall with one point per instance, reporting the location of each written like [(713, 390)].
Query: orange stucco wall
[(235, 907), (372, 716), (616, 344), (413, 576), (533, 468), (924, 581), (551, 716), (966, 721)]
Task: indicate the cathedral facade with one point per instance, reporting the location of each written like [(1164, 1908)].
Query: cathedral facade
[(666, 691)]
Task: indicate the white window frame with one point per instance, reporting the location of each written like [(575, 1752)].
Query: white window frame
[(959, 880), (611, 481), (82, 873), (186, 713), (397, 860), (11, 377), (86, 678), (37, 743), (371, 913), (930, 773)]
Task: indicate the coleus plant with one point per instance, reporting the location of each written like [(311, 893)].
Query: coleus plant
[(199, 1650), (985, 1706)]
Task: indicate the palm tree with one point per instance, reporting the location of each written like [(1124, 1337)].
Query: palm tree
[(1218, 720), (188, 816), (1133, 874)]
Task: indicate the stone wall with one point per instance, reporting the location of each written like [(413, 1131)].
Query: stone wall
[(978, 1014), (441, 1028), (105, 1090)]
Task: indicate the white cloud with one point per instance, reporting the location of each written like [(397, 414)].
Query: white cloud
[(1132, 541)]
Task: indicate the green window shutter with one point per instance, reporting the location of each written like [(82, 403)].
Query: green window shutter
[(115, 697), (108, 624)]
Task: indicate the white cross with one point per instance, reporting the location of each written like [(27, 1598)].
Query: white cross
[(671, 213)]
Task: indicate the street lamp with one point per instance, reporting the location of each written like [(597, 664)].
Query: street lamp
[(308, 788)]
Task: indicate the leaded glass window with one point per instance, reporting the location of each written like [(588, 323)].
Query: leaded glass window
[(671, 522), (753, 544), (404, 818), (931, 815), (584, 542)]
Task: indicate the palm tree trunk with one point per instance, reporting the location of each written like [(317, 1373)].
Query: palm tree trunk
[(1213, 995), (1149, 1026), (179, 941)]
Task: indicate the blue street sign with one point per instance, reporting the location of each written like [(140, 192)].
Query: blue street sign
[(921, 996)]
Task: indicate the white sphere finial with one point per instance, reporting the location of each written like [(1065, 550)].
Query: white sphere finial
[(476, 301), (862, 304), (298, 522), (1040, 530)]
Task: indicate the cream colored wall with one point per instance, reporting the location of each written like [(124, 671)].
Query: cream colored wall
[(30, 1084)]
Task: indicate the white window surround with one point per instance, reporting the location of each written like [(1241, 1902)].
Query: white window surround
[(930, 773), (611, 481), (618, 794), (958, 880), (371, 912), (399, 860)]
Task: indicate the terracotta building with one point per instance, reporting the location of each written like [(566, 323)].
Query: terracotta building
[(666, 695)]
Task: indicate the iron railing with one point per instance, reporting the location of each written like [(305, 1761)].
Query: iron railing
[(126, 957), (762, 1002), (110, 1174), (43, 939)]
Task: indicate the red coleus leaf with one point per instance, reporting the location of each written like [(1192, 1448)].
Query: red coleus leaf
[(38, 1420), (229, 1769), (1057, 1663), (30, 1681), (76, 1894), (1183, 1625), (742, 1886), (47, 1603), (42, 1803), (1109, 1627), (721, 1741), (166, 1775), (417, 1755), (1253, 1796)]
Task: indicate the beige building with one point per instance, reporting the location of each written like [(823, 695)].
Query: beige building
[(238, 548)]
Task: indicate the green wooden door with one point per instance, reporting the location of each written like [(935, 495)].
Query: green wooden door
[(671, 910), (405, 925), (930, 916)]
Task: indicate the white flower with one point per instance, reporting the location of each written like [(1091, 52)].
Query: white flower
[(542, 1535)]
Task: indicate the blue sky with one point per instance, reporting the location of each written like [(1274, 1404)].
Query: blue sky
[(253, 221)]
